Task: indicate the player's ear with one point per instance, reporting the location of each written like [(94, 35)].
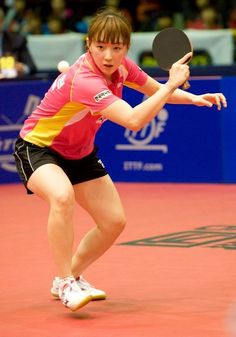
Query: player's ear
[(87, 43)]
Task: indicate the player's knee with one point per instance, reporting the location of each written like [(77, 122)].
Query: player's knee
[(117, 224), (122, 223), (64, 200)]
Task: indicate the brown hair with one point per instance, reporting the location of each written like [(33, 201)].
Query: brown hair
[(110, 25)]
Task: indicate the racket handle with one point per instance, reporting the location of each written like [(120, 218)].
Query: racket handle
[(186, 85)]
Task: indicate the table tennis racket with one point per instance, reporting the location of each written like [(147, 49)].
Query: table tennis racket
[(170, 45)]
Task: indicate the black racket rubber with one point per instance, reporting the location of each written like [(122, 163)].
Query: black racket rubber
[(170, 45)]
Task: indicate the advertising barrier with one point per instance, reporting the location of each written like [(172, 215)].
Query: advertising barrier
[(48, 50), (17, 100), (228, 121), (183, 143)]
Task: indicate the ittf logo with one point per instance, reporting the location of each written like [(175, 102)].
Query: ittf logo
[(143, 139)]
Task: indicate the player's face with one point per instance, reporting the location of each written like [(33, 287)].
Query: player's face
[(107, 56)]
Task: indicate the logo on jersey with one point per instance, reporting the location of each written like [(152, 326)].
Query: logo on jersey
[(59, 82), (101, 95)]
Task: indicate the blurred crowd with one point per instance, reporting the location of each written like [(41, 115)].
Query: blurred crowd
[(60, 16), (21, 18)]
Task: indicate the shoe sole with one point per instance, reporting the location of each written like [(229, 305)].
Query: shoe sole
[(85, 301), (94, 298)]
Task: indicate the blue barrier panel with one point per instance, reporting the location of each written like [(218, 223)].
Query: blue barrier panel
[(228, 86), (182, 144), (17, 100)]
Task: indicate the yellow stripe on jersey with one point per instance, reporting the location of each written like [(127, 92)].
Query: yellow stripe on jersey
[(54, 124), (131, 85)]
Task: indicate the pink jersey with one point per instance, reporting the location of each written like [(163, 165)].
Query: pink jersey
[(68, 118)]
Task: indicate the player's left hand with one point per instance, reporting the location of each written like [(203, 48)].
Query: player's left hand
[(210, 99)]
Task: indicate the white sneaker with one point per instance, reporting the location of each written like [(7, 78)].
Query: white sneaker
[(71, 295), (95, 293)]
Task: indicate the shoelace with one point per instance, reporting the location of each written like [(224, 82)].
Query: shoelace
[(68, 286)]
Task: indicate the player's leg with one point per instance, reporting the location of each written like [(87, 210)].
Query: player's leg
[(101, 200), (51, 183)]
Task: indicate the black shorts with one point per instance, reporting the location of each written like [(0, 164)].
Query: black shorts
[(29, 157)]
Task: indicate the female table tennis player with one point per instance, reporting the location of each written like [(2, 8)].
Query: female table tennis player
[(56, 155)]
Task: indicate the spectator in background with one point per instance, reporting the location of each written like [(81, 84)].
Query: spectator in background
[(83, 11), (15, 18), (15, 58), (164, 20), (61, 15), (147, 12), (82, 23), (54, 25), (232, 18), (204, 16), (60, 9), (128, 9), (34, 24), (208, 19)]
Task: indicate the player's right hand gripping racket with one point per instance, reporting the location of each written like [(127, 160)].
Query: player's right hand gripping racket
[(170, 45)]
